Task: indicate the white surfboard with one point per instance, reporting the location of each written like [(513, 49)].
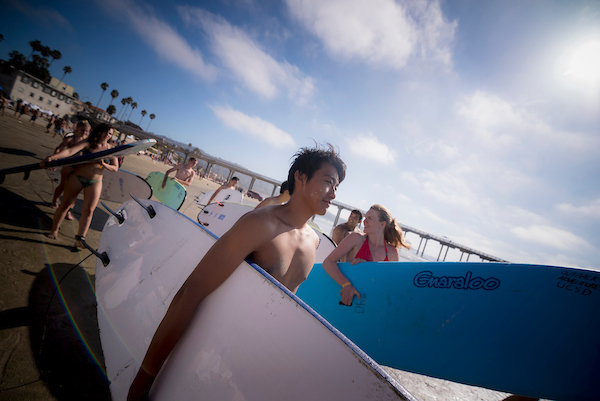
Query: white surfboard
[(224, 195), (251, 339)]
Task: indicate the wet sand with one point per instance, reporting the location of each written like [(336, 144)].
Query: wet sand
[(49, 343)]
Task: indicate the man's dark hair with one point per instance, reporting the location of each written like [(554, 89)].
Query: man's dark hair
[(284, 187), (358, 212), (309, 160), (234, 178)]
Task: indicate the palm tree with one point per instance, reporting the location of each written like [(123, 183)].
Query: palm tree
[(123, 102), (56, 55), (152, 117), (76, 95), (104, 87), (67, 70), (114, 94), (144, 112), (36, 46), (17, 59), (133, 106), (111, 109)]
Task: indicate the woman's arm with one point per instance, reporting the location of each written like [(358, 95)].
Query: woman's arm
[(330, 265), (65, 153), (112, 166)]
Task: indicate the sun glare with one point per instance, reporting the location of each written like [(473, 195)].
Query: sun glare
[(582, 65)]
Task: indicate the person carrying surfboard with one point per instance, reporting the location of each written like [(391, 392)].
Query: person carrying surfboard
[(184, 174), (82, 131), (86, 177), (230, 185), (381, 241), (276, 238)]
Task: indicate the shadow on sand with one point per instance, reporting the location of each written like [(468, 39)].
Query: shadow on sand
[(20, 212), (64, 333)]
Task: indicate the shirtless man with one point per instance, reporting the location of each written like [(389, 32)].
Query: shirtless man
[(276, 238), (284, 196), (345, 229), (230, 185), (185, 173)]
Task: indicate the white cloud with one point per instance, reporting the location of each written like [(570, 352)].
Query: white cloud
[(378, 32), (369, 147), (447, 188), (253, 127), (592, 210), (159, 35), (257, 70), (551, 236)]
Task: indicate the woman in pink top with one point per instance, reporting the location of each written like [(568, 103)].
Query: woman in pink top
[(381, 241)]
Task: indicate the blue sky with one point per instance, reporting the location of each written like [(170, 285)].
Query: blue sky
[(472, 120)]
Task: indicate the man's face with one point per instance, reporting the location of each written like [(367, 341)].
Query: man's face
[(233, 182), (192, 163), (353, 220), (321, 188)]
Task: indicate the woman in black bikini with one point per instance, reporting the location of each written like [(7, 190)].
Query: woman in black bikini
[(86, 177), (381, 241)]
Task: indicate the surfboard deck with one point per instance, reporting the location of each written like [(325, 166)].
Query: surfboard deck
[(523, 329), (118, 151), (218, 218), (251, 339), (116, 186), (224, 195), (173, 194)]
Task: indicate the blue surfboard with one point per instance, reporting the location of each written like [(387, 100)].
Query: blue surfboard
[(530, 330)]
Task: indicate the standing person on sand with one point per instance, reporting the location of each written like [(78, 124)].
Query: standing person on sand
[(380, 241), (82, 131), (276, 238), (50, 122), (230, 185), (59, 127), (284, 196), (86, 177), (185, 173)]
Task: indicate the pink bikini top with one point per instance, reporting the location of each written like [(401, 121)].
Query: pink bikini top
[(365, 251)]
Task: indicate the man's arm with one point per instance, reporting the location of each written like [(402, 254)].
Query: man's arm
[(167, 174), (221, 260), (186, 182), (215, 194)]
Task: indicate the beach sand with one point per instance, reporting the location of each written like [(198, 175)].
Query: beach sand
[(49, 343)]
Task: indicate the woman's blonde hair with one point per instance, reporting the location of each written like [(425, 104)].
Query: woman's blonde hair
[(392, 232)]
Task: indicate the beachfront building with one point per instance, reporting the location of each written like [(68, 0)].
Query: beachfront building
[(54, 97)]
